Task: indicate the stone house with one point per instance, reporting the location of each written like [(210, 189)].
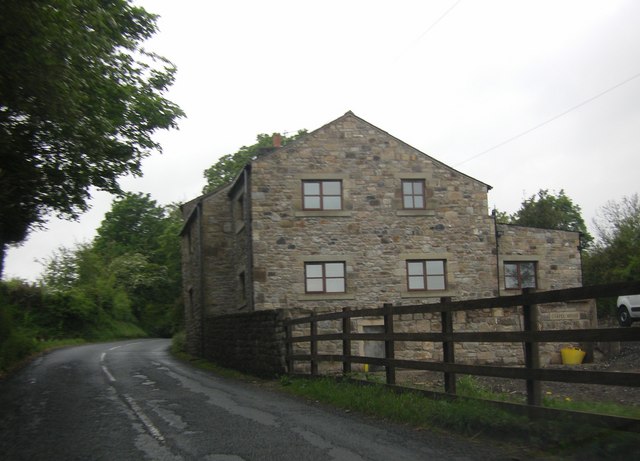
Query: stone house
[(350, 216)]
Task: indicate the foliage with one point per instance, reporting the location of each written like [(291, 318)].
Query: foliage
[(618, 240), (615, 256), (230, 165), (130, 273), (14, 343), (548, 211), (133, 225), (34, 319), (79, 102)]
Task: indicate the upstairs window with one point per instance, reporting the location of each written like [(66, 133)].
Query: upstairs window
[(413, 194), (322, 195), (519, 275), (426, 275), (324, 277)]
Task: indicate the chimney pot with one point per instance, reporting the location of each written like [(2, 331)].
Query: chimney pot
[(277, 140)]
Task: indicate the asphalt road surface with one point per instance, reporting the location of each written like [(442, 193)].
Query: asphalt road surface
[(132, 401)]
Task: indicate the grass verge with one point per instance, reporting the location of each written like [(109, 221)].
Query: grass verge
[(470, 418)]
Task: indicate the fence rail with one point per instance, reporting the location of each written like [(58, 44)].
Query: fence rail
[(532, 373)]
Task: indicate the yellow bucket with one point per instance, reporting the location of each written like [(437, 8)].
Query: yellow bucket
[(572, 355)]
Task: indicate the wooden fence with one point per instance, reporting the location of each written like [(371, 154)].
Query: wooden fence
[(530, 336)]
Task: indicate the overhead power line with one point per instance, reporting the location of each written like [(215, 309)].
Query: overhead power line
[(555, 117), (433, 24)]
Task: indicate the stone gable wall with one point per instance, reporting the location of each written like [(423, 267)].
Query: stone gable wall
[(372, 234)]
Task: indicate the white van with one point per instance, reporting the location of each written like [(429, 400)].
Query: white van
[(628, 309)]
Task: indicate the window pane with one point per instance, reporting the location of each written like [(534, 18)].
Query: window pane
[(435, 282), (510, 282), (528, 275), (312, 203), (416, 283), (332, 203), (407, 188), (314, 270), (511, 270), (415, 268), (435, 267), (311, 188), (314, 285), (418, 202), (331, 188), (335, 285), (510, 275), (408, 202), (334, 269)]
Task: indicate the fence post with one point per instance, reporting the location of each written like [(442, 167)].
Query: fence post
[(346, 342), (448, 347), (389, 347), (289, 347), (314, 344), (531, 350)]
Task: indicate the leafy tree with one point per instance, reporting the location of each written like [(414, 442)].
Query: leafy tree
[(134, 224), (228, 166), (131, 271), (61, 269), (79, 101), (548, 211), (615, 257)]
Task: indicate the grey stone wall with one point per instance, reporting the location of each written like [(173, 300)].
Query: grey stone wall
[(191, 269), (251, 342), (208, 265), (555, 252), (373, 234)]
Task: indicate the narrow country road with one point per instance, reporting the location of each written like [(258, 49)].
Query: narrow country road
[(132, 401)]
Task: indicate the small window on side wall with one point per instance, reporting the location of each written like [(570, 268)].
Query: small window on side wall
[(242, 286), (322, 195), (325, 277), (413, 194), (519, 275), (426, 275)]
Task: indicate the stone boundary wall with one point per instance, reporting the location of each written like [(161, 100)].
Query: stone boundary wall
[(254, 341), (251, 342)]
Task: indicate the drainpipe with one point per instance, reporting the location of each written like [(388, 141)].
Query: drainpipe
[(581, 246), (494, 214)]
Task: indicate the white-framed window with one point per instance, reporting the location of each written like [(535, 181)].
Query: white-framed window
[(519, 275), (426, 274), (325, 277), (413, 195), (322, 195)]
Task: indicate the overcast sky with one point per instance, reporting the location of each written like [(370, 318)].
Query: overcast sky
[(521, 95)]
